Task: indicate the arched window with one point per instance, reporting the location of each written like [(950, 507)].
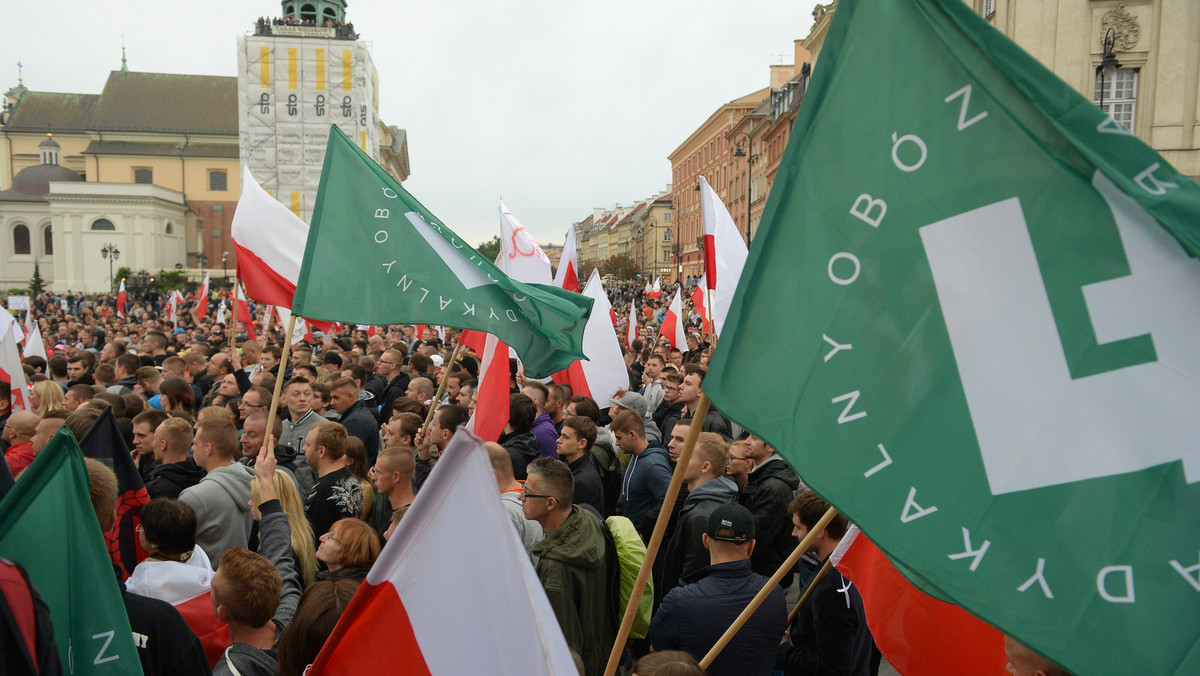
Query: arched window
[(103, 224), (21, 239), (308, 13), (169, 228), (48, 240)]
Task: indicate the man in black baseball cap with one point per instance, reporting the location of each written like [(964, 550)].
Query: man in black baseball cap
[(694, 616)]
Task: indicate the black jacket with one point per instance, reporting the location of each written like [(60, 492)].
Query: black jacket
[(524, 448), (165, 642), (395, 389), (588, 489), (830, 635), (360, 422), (684, 553), (694, 616), (169, 480), (767, 492)]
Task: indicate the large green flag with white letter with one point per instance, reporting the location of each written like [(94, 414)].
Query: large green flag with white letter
[(375, 255), (48, 525), (991, 339)]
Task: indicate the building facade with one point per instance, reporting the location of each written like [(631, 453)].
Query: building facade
[(151, 165)]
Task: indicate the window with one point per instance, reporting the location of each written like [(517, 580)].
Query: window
[(667, 234), (143, 176), (169, 228), (217, 180), (667, 216), (103, 224), (1119, 95), (21, 240), (216, 233), (48, 241)]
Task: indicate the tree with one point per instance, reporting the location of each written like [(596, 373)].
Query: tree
[(38, 283), (122, 273), (621, 267), (490, 249)]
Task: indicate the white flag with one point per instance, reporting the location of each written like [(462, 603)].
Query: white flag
[(520, 257)]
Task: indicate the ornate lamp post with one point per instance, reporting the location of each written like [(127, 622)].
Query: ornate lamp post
[(741, 152), (1108, 63), (112, 253)]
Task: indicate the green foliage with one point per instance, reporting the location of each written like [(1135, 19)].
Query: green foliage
[(121, 273), (490, 249), (620, 267), (170, 279), (38, 283)]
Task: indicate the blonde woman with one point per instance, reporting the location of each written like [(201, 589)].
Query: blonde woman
[(303, 551), (45, 396)]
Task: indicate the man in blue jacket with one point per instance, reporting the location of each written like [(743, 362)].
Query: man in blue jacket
[(649, 472), (694, 616)]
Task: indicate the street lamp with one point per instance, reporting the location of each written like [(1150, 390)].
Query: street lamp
[(112, 253), (741, 152), (201, 260), (224, 272), (1108, 62)]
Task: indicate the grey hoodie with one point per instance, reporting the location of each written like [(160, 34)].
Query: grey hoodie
[(222, 504)]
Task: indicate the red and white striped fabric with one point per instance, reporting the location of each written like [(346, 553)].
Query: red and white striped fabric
[(604, 371), (202, 299), (567, 274), (725, 254), (918, 634), (121, 300), (491, 409), (454, 568), (672, 324), (268, 317), (656, 290), (243, 313), (10, 361), (270, 243)]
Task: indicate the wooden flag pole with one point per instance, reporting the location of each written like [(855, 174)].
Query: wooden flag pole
[(712, 311), (283, 361), (441, 386), (768, 588), (808, 591), (233, 313), (656, 537)]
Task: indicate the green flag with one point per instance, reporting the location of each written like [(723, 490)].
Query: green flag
[(376, 256), (974, 281), (48, 525)]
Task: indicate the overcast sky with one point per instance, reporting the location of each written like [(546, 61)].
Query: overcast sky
[(556, 106)]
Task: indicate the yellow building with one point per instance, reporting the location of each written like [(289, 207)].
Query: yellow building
[(1154, 90)]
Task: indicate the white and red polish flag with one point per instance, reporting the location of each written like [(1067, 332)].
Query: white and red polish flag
[(121, 300), (202, 299), (604, 371), (648, 290), (174, 302), (268, 317), (631, 329), (10, 361), (672, 324), (567, 274), (520, 257), (656, 290), (424, 583), (491, 408), (724, 254), (270, 242), (701, 302), (917, 633), (243, 313)]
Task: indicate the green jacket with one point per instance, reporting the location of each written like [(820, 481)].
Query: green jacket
[(572, 568)]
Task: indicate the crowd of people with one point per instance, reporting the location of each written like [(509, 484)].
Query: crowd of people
[(275, 529), (264, 26)]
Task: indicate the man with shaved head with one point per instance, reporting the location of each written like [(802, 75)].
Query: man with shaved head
[(18, 433)]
